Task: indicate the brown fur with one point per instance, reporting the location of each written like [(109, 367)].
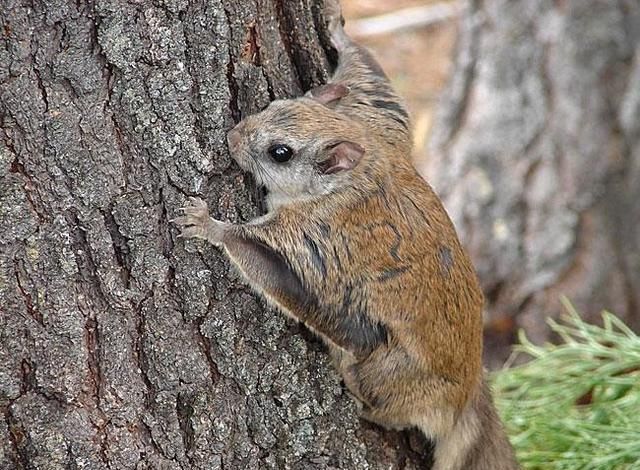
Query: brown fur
[(367, 258)]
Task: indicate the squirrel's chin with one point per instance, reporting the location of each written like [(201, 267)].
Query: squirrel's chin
[(244, 162)]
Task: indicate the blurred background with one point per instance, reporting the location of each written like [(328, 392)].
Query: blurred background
[(525, 123)]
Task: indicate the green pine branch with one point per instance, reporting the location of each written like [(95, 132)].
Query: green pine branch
[(575, 405)]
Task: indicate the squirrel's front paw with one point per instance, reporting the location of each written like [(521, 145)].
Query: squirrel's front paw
[(196, 223)]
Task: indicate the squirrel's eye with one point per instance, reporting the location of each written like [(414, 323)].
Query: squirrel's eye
[(280, 153)]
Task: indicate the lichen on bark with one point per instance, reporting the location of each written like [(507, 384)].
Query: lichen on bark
[(120, 347)]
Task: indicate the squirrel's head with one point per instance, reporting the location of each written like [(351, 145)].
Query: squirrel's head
[(300, 148)]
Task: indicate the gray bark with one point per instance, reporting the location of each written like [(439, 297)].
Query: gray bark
[(536, 153), (121, 347)]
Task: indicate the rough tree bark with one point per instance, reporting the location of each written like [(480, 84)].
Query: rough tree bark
[(120, 348), (536, 153)]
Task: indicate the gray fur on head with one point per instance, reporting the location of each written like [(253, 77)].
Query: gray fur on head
[(313, 132)]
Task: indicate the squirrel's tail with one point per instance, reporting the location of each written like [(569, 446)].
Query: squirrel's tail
[(477, 441)]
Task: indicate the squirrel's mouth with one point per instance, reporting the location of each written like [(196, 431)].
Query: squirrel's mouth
[(249, 164)]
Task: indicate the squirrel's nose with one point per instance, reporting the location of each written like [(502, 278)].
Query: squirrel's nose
[(233, 138)]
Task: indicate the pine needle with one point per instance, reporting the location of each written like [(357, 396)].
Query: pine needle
[(575, 405)]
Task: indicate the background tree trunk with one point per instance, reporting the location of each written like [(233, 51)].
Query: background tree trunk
[(120, 348), (537, 157)]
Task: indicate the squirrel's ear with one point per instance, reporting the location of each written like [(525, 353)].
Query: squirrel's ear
[(342, 157), (328, 93)]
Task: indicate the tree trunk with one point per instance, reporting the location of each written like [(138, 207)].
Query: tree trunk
[(120, 346), (537, 157)]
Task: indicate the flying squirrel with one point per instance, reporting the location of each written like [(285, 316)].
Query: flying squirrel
[(358, 247)]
